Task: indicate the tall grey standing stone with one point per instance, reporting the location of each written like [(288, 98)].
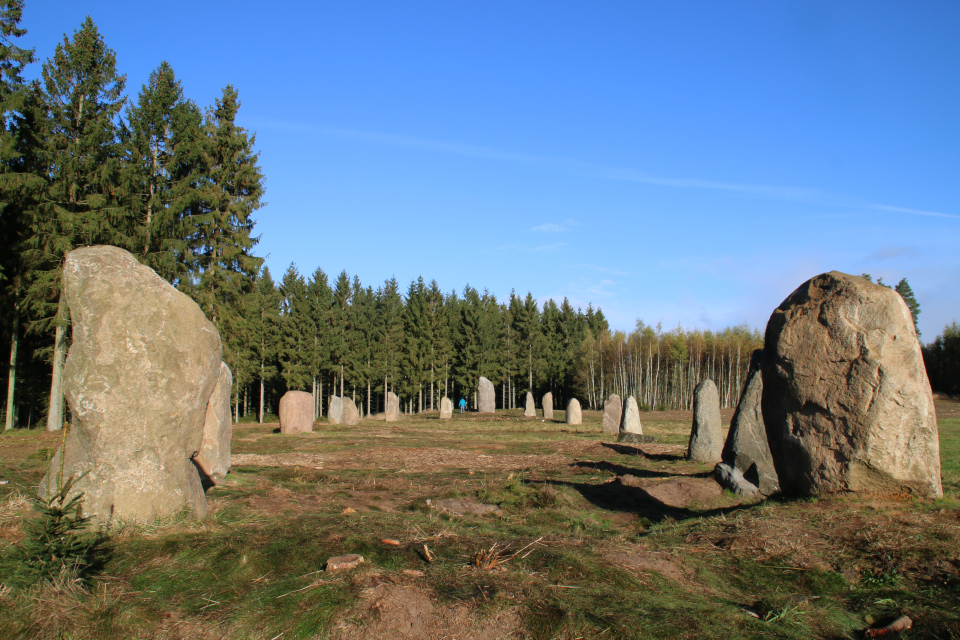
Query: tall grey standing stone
[(335, 410), (547, 404), (530, 410), (392, 407), (140, 372), (612, 414), (486, 396), (846, 400), (296, 412), (574, 415), (213, 459), (446, 408), (746, 449), (351, 415), (631, 431), (706, 434)]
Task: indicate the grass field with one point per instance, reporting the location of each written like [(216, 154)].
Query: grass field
[(498, 528)]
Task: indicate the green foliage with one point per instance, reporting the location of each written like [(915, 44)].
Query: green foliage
[(942, 359), (57, 544)]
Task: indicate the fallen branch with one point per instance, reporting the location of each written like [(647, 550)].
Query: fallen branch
[(900, 624)]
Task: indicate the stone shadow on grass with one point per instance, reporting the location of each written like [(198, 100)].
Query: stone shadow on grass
[(621, 470), (631, 450)]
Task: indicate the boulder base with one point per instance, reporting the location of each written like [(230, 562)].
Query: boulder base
[(612, 414), (296, 412), (846, 401), (139, 375), (574, 415)]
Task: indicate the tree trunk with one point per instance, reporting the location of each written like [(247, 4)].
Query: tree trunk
[(55, 411), (12, 380), (261, 394)]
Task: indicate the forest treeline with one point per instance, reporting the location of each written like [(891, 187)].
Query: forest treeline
[(177, 185)]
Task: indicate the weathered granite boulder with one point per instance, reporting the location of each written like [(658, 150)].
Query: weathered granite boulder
[(138, 378), (530, 410), (213, 459), (846, 401), (486, 396), (351, 415), (392, 408), (706, 434), (547, 404), (335, 410), (296, 412), (574, 415), (746, 450), (613, 414), (446, 408), (630, 422)]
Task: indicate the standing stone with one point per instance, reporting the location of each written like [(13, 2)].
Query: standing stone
[(213, 460), (706, 435), (335, 410), (612, 414), (530, 410), (296, 412), (351, 415), (574, 415), (446, 408), (486, 396), (139, 375), (392, 408), (746, 449), (846, 400), (630, 427), (547, 404)]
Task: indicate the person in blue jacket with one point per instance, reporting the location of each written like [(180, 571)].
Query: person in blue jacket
[(463, 404)]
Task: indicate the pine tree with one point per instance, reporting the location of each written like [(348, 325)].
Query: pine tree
[(80, 152), (903, 288)]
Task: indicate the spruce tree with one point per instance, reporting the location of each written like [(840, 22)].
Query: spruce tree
[(296, 331), (320, 298), (80, 154), (266, 331)]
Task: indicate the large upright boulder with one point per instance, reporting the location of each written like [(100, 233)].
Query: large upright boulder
[(530, 409), (747, 466), (392, 407), (335, 410), (846, 401), (486, 396), (351, 415), (296, 412), (631, 431), (706, 433), (574, 414), (446, 408), (547, 404), (612, 414), (138, 378), (213, 459)]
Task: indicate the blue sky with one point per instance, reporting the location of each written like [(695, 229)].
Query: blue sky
[(681, 162)]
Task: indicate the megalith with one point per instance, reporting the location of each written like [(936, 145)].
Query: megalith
[(139, 375), (530, 410), (296, 412), (213, 459), (574, 415), (392, 407), (846, 401), (486, 396), (706, 434), (446, 408), (746, 449), (335, 410), (631, 431), (612, 414), (351, 415), (547, 404)]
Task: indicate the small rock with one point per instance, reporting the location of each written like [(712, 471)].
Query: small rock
[(391, 542), (413, 573), (348, 561), (349, 510), (446, 408), (296, 412)]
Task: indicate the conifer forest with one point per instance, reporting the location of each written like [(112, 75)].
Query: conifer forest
[(86, 160)]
